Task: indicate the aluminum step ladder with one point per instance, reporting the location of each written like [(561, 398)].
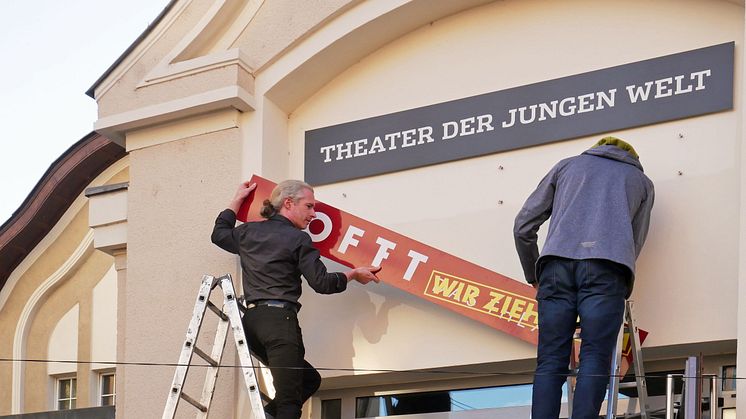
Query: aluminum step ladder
[(229, 317), (629, 326)]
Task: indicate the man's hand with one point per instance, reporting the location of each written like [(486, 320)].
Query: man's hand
[(364, 274), (244, 189)]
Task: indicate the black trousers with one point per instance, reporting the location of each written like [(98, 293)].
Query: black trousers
[(275, 337)]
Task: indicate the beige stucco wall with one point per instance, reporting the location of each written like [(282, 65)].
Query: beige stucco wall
[(688, 271), (44, 267), (103, 316), (75, 291), (52, 256), (63, 343), (295, 23), (176, 190), (108, 98)]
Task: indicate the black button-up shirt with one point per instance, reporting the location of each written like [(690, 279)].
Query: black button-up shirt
[(274, 254)]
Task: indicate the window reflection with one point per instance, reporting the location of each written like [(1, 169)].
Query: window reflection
[(66, 393), (445, 401)]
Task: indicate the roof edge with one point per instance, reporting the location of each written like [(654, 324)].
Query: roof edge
[(91, 92), (51, 197)]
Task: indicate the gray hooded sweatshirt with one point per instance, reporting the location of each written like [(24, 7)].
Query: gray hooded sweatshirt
[(599, 202)]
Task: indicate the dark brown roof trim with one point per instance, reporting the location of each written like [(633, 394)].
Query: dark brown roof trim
[(92, 90), (65, 179)]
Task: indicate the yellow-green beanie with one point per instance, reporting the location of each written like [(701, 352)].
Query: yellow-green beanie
[(618, 143)]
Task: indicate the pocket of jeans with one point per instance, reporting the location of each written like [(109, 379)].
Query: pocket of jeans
[(547, 283)]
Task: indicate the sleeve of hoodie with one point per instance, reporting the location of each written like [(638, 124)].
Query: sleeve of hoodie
[(641, 219), (535, 211)]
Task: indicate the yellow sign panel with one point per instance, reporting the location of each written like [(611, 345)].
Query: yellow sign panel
[(492, 301)]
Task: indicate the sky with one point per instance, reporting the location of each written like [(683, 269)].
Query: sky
[(51, 52)]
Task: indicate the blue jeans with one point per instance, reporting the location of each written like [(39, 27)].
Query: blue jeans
[(593, 289)]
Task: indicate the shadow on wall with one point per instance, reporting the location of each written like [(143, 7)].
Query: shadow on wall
[(329, 323)]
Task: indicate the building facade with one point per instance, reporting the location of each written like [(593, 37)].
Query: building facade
[(216, 91)]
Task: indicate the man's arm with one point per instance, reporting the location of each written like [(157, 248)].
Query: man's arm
[(535, 211), (223, 234), (641, 220), (323, 282)]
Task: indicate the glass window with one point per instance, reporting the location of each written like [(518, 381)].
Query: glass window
[(445, 401), (107, 389), (331, 409), (66, 393), (729, 378)]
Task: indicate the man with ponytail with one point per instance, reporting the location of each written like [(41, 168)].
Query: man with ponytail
[(274, 253)]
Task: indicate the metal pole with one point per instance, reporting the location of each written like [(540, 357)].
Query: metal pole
[(669, 396), (714, 409), (692, 400)]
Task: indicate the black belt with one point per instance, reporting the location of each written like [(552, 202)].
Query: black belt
[(274, 303)]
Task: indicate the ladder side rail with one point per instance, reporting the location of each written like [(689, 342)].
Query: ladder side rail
[(572, 374), (691, 398), (616, 362), (669, 396), (714, 398), (187, 350), (242, 347), (642, 386), (211, 376)]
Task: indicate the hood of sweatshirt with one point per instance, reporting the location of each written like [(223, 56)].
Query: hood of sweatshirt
[(615, 153)]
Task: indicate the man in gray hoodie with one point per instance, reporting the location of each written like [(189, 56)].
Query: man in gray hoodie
[(599, 203)]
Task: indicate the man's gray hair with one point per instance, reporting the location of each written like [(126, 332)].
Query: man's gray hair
[(290, 188)]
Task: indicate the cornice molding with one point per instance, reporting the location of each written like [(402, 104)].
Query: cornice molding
[(116, 126), (197, 65)]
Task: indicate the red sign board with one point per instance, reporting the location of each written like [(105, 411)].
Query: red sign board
[(451, 282), (412, 266)]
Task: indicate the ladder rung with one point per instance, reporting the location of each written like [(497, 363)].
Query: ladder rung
[(230, 318), (206, 357), (631, 384), (193, 402), (216, 310)]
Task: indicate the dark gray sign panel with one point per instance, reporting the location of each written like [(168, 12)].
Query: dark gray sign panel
[(661, 89)]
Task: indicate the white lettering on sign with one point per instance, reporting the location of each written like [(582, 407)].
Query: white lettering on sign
[(663, 86), (391, 141), (352, 238), (523, 115), (383, 250), (325, 231), (417, 258), (568, 106), (349, 238), (467, 126)]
